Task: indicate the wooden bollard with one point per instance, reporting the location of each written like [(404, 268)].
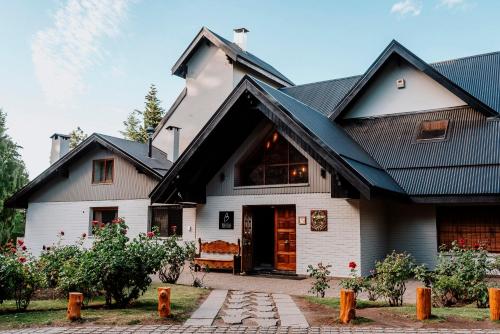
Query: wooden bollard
[(347, 306), (494, 294), (423, 303), (163, 302), (74, 305)]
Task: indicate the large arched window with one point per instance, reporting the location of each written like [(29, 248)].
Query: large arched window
[(273, 161)]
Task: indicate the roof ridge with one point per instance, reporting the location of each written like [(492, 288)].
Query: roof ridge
[(466, 57), (322, 81)]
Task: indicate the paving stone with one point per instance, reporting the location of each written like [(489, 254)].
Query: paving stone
[(234, 320), (263, 302), (265, 315), (236, 305), (234, 312), (263, 308), (265, 322)]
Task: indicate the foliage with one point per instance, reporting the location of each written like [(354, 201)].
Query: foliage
[(460, 275), (76, 137), (197, 273), (321, 276), (175, 258), (354, 282), (139, 120), (53, 258), (13, 176), (122, 266), (20, 276), (391, 276)]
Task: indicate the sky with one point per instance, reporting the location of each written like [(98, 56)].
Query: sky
[(89, 63)]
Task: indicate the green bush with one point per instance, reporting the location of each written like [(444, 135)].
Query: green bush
[(175, 259), (391, 275), (321, 276), (354, 282), (460, 275), (20, 276)]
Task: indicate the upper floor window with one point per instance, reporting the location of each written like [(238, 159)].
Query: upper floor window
[(433, 130), (102, 171), (273, 161)]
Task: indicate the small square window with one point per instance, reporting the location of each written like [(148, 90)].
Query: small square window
[(168, 220), (102, 171), (433, 130)]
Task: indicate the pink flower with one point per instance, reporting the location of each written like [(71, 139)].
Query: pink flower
[(150, 234), (352, 265), (20, 242), (23, 248)]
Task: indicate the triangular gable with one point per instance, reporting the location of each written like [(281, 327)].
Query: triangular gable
[(322, 139), (396, 49), (233, 52)]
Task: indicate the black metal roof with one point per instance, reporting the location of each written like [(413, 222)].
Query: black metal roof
[(466, 162), (478, 75), (136, 153)]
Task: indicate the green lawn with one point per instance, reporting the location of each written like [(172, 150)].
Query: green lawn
[(184, 300), (469, 312)]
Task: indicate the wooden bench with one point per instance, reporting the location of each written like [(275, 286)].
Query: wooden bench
[(204, 259)]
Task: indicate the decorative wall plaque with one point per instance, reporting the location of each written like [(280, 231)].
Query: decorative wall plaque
[(226, 220), (302, 220), (319, 220)]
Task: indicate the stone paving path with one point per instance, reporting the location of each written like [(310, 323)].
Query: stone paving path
[(175, 329), (206, 313)]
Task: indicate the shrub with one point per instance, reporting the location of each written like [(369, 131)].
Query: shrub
[(123, 267), (20, 276), (321, 276), (391, 276), (354, 282), (175, 258), (460, 275), (53, 258)]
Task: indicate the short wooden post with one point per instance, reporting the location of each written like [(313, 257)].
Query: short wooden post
[(494, 294), (163, 302), (423, 303), (347, 306), (74, 305)]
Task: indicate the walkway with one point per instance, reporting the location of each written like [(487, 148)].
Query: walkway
[(175, 329)]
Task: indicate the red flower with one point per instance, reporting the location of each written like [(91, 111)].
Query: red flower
[(13, 250), (95, 222), (20, 242), (461, 242), (62, 232), (477, 245), (48, 248), (44, 248), (352, 265), (23, 248), (150, 234), (22, 259), (84, 235), (116, 221)]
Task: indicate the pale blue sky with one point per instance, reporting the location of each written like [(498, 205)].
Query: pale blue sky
[(65, 63)]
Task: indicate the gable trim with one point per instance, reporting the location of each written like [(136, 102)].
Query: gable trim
[(396, 48)]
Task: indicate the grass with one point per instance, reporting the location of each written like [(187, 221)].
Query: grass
[(469, 312), (184, 300)]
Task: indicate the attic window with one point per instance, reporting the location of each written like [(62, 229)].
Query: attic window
[(433, 130)]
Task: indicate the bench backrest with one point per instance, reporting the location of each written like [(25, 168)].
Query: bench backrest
[(219, 247)]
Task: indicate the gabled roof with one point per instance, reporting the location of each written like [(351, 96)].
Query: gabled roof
[(234, 52), (320, 137), (136, 153), (477, 75)]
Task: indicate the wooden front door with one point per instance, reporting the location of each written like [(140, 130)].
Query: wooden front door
[(247, 241), (284, 238)]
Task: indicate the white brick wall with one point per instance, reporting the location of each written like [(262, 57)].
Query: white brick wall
[(45, 220), (339, 245), (189, 224)]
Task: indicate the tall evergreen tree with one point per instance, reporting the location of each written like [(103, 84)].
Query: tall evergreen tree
[(139, 120), (13, 176), (76, 137)]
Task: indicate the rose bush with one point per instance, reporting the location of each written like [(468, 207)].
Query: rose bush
[(321, 276), (354, 282), (175, 259)]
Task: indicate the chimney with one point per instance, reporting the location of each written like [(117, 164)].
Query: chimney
[(150, 130), (60, 146), (240, 37), (176, 130)]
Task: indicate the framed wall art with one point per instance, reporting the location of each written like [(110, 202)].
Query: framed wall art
[(319, 220)]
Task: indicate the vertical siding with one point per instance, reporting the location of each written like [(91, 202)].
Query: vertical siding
[(374, 234), (337, 246), (216, 187), (128, 182)]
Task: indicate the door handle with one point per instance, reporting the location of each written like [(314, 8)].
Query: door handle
[(287, 241)]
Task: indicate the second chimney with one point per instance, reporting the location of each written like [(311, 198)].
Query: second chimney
[(60, 146), (240, 37)]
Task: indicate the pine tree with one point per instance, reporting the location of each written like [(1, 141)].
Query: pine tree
[(138, 121), (76, 137), (13, 176)]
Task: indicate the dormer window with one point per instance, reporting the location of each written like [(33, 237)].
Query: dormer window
[(273, 161), (102, 171), (433, 130)]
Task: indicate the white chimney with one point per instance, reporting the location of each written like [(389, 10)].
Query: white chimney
[(240, 37), (176, 131), (60, 146)]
